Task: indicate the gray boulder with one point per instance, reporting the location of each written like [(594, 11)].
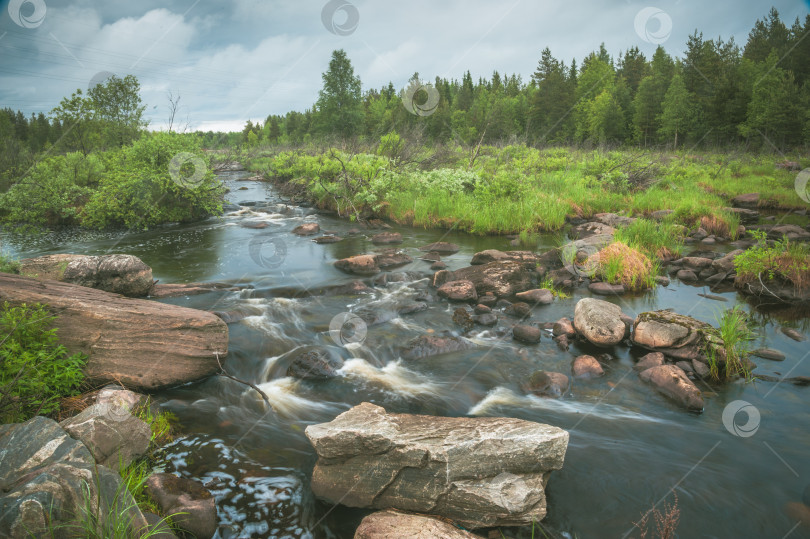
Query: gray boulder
[(45, 478), (674, 335), (599, 321), (120, 274), (479, 472), (112, 434)]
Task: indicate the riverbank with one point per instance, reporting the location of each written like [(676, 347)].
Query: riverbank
[(520, 190)]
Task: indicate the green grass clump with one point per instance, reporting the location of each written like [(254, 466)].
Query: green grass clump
[(620, 263), (656, 240), (110, 519), (735, 333), (781, 260), (548, 284), (35, 371)]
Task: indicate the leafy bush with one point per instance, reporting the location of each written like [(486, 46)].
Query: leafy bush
[(138, 190), (505, 184), (54, 191), (9, 264), (35, 371)]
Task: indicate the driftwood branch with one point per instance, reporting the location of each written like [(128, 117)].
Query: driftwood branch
[(253, 386)]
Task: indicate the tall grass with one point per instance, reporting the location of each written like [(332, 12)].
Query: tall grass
[(118, 518), (619, 263), (656, 240), (736, 334)]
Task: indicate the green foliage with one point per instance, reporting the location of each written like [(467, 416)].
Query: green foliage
[(339, 103), (138, 191), (780, 260), (656, 240), (54, 191), (8, 264), (162, 424), (735, 333), (35, 371)]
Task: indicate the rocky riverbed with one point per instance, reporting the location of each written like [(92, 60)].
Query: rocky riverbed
[(325, 319)]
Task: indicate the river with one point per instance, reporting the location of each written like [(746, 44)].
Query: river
[(629, 447)]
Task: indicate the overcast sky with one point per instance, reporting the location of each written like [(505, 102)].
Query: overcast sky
[(230, 61)]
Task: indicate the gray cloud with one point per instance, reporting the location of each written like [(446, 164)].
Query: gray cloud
[(250, 58)]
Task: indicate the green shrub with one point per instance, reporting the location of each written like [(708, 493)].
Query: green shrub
[(53, 192), (9, 264), (35, 371), (138, 191)]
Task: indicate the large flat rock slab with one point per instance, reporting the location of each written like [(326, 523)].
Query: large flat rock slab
[(142, 344), (479, 472)]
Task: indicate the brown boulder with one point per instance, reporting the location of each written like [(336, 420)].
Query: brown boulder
[(586, 367), (307, 229), (748, 200), (433, 345), (527, 258), (477, 471), (441, 247), (391, 259), (538, 296), (142, 344), (192, 507), (653, 359), (120, 274), (526, 334), (548, 384), (384, 238), (390, 524), (458, 291), (606, 289), (358, 265), (563, 326), (503, 279), (671, 382)]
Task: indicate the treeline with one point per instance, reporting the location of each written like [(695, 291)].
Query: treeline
[(107, 116), (719, 94)]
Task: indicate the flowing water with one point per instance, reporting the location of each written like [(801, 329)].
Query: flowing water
[(629, 447)]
